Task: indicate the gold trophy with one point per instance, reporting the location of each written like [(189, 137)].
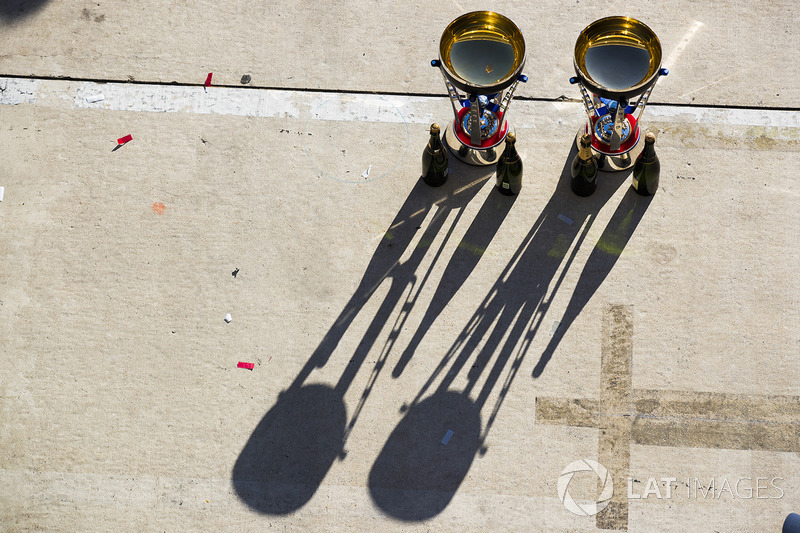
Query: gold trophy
[(617, 59), (481, 54)]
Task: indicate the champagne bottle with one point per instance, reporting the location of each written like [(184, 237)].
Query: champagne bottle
[(434, 160), (584, 169), (647, 168), (509, 168)]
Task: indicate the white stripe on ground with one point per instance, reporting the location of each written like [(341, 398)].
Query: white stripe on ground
[(275, 103), (687, 38)]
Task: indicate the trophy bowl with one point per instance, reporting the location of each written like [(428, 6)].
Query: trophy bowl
[(617, 57), (482, 54)]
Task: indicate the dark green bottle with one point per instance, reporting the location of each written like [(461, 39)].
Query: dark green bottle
[(434, 160), (647, 168), (509, 168), (584, 169)]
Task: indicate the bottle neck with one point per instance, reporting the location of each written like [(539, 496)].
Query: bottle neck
[(585, 153), (649, 152), (510, 153), (435, 141)]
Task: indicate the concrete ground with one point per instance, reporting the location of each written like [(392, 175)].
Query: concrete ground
[(538, 336)]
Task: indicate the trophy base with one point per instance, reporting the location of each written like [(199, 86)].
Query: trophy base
[(612, 163), (469, 155)]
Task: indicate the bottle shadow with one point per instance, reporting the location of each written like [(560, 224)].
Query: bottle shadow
[(293, 447), (416, 475)]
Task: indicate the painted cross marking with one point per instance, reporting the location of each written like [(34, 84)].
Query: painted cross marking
[(665, 418)]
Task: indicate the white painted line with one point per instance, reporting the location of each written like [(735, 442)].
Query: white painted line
[(14, 91), (178, 99), (460, 8), (565, 218), (688, 36), (732, 117), (447, 437), (271, 103), (718, 80)]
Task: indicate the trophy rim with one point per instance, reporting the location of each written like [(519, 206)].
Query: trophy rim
[(632, 27), (515, 36)]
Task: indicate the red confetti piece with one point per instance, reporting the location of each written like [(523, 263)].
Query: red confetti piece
[(208, 79), (123, 140), (248, 366)]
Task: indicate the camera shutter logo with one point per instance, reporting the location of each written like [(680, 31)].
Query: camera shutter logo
[(591, 508)]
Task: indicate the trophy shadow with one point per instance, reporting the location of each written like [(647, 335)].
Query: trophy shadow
[(426, 457), (291, 450), (460, 266), (13, 10), (416, 474), (604, 255), (295, 444), (429, 453)]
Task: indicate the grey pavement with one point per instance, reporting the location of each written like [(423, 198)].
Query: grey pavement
[(543, 334)]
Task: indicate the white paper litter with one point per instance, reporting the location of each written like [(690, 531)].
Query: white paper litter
[(228, 318), (565, 219), (555, 327), (95, 98), (365, 174), (447, 437), (2, 191)]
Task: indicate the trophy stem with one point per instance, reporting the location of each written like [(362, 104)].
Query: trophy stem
[(506, 100), (588, 103), (451, 90), (642, 102), (619, 119), (475, 113)]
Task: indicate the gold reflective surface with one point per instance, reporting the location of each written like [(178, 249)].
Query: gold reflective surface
[(618, 34), (482, 49)]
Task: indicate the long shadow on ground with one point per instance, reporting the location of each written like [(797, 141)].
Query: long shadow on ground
[(11, 10), (293, 447), (416, 475)]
